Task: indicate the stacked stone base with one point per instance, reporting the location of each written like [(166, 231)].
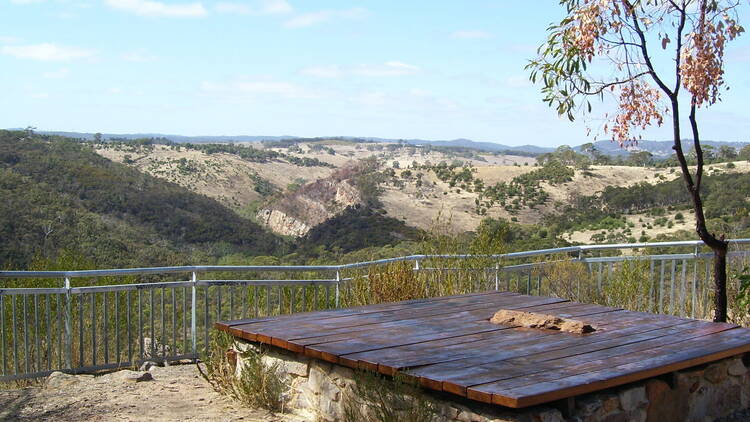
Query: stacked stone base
[(317, 391)]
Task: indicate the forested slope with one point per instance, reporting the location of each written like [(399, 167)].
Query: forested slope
[(58, 195)]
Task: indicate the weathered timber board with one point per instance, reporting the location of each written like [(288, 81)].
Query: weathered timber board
[(448, 344)]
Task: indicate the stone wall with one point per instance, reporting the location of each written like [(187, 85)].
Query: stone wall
[(317, 391)]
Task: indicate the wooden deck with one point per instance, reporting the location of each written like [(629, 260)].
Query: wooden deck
[(448, 344)]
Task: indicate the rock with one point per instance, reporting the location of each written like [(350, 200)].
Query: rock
[(58, 380), (655, 390), (736, 368), (632, 398), (716, 373), (146, 376), (551, 415), (537, 320)]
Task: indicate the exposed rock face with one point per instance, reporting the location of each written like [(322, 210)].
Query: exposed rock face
[(281, 223), (314, 203)]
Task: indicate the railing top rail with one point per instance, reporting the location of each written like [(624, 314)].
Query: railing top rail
[(282, 268)]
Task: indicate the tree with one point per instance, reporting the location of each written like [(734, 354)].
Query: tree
[(645, 82)]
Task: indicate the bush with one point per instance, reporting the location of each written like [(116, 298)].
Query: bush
[(257, 385)]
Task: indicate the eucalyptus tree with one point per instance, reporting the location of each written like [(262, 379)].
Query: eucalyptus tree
[(649, 59)]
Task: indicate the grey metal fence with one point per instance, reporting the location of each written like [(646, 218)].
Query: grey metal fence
[(83, 321)]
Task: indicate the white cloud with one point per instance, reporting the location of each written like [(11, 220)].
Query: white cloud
[(26, 1), (159, 9), (262, 7), (273, 88), (471, 34), (39, 95), (115, 91), (9, 40), (392, 68), (46, 52), (314, 18), (332, 71), (57, 74), (138, 57)]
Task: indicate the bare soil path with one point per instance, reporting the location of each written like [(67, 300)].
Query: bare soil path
[(176, 393)]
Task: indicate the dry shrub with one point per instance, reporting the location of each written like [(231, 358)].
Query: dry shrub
[(387, 283), (629, 287), (256, 385), (569, 280)]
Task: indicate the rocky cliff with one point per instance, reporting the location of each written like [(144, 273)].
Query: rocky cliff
[(312, 204)]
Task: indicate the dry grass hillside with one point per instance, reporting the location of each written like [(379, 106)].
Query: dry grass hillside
[(244, 185)]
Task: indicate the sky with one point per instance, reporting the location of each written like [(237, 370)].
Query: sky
[(379, 68)]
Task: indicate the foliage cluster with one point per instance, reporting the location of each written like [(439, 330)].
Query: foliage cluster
[(255, 384)]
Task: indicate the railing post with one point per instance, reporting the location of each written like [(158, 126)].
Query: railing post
[(193, 315), (68, 325), (497, 277), (338, 279)]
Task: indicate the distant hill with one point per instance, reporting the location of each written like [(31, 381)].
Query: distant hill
[(660, 149)]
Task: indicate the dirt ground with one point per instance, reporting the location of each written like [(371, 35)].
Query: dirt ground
[(176, 393)]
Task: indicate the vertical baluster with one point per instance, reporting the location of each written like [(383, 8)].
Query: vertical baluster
[(163, 339), (304, 298), (152, 333), (328, 296), (683, 285), (651, 282), (140, 324), (281, 299), (117, 327), (694, 288), (174, 321), (185, 347), (37, 341), (661, 288), (218, 302), (671, 288), (106, 330), (60, 331), (231, 302), (315, 298), (127, 322), (13, 321), (93, 328), (2, 334), (49, 330), (205, 326), (255, 301), (291, 299), (25, 336), (268, 300), (81, 298)]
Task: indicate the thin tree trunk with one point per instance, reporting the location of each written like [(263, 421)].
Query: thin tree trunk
[(720, 282)]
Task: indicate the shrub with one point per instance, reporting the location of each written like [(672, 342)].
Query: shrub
[(256, 385)]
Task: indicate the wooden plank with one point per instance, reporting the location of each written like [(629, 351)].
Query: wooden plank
[(365, 309), (406, 335), (457, 381), (619, 324), (352, 324), (594, 361), (329, 320), (659, 361), (443, 320), (393, 359)]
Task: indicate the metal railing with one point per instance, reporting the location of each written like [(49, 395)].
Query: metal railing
[(84, 321)]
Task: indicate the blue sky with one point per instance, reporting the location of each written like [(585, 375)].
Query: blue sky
[(396, 69)]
